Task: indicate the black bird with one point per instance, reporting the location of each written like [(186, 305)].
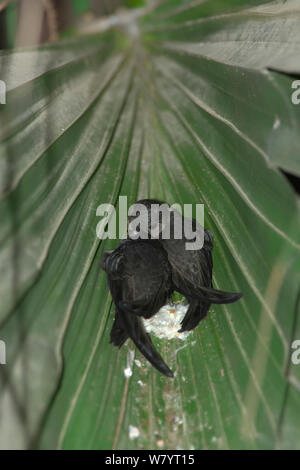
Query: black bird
[(139, 278), (191, 269)]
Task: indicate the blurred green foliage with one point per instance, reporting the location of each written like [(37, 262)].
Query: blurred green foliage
[(79, 7)]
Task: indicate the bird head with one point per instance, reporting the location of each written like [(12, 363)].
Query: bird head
[(148, 218)]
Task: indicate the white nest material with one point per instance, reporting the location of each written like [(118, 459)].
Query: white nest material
[(166, 322), (133, 432)]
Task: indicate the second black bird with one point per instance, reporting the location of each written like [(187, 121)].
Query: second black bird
[(191, 269), (139, 278)]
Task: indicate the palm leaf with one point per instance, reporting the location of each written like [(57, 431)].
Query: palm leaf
[(176, 102)]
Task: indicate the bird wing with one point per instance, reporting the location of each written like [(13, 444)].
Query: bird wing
[(118, 334), (139, 280), (191, 269), (192, 274), (134, 327), (112, 262)]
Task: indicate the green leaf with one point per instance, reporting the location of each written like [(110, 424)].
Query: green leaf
[(165, 108), (263, 36)]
